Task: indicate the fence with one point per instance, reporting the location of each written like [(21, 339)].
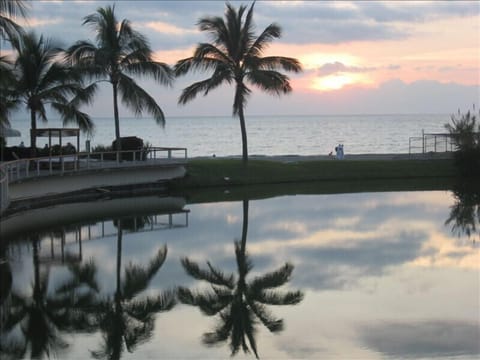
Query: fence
[(431, 142), (22, 169)]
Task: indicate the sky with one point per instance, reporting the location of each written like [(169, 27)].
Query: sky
[(358, 57)]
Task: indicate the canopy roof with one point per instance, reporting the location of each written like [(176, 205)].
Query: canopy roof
[(56, 132)]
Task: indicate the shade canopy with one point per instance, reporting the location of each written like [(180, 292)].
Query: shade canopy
[(59, 133), (56, 132)]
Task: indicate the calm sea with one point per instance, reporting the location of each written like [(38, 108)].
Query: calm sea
[(267, 135)]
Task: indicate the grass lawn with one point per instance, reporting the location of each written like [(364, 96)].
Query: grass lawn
[(222, 179)]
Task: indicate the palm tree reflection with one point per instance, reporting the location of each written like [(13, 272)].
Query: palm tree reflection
[(238, 302), (465, 212), (41, 315), (125, 320)]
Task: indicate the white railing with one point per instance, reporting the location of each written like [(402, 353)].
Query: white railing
[(4, 197), (21, 169)]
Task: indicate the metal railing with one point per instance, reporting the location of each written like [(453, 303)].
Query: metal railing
[(435, 142), (21, 169)]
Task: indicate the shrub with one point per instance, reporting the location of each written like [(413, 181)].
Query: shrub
[(465, 134), (129, 143)]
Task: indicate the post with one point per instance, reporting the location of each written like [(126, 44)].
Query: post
[(423, 141)]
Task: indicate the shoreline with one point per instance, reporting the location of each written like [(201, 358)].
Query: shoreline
[(228, 172), (291, 158)]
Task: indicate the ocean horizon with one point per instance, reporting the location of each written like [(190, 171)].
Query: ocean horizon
[(267, 134)]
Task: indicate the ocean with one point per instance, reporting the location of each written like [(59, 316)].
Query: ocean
[(267, 135)]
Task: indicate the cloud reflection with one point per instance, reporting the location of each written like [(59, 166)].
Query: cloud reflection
[(423, 339)]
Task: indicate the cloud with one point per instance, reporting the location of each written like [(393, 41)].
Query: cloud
[(423, 339), (412, 12), (391, 97), (34, 22), (338, 67), (166, 28)]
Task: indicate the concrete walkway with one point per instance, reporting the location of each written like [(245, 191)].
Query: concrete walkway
[(57, 184)]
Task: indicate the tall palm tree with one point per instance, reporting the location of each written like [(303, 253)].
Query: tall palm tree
[(41, 80), (125, 320), (9, 9), (235, 56), (238, 302), (119, 53)]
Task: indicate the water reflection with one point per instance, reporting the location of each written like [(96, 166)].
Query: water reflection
[(465, 212), (126, 320), (382, 275), (41, 316), (36, 321), (239, 303)]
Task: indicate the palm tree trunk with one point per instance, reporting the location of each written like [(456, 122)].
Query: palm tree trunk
[(119, 257), (116, 117), (33, 137), (244, 226), (243, 128), (36, 267)]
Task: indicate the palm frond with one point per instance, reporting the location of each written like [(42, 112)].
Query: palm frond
[(271, 32), (209, 51), (13, 8), (9, 29), (81, 274), (267, 319), (205, 86), (273, 279), (247, 35), (209, 303), (81, 53), (70, 114), (161, 72), (216, 29), (214, 276), (221, 332), (270, 81), (141, 309), (137, 277), (274, 63), (137, 99), (183, 66), (276, 298)]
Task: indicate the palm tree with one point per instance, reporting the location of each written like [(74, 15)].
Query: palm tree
[(41, 80), (119, 53), (238, 302), (9, 29), (235, 57), (8, 101), (125, 320), (42, 316)]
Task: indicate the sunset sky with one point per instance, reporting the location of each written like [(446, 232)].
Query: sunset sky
[(358, 57)]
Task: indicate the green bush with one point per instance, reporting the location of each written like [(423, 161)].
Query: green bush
[(465, 134)]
